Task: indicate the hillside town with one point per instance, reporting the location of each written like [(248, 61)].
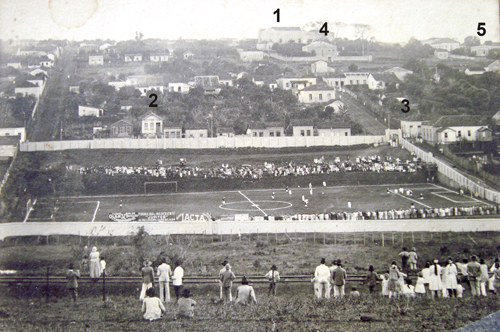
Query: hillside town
[(288, 83)]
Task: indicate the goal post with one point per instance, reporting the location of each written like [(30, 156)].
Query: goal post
[(160, 187)]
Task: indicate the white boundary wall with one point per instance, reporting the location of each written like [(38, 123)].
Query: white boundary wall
[(202, 143), (458, 179), (245, 227)]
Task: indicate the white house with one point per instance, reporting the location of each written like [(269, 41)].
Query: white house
[(132, 57), (74, 88), (496, 118), (118, 85), (321, 50), (90, 111), (15, 65), (399, 72), (316, 94), (145, 89), (380, 81), (270, 129), (302, 128), (172, 131), (158, 57), (188, 55), (295, 82), (179, 87), (96, 60), (441, 54), (196, 133), (151, 125), (321, 67), (47, 63), (38, 71), (26, 91), (13, 132), (451, 128), (494, 66), (474, 71), (483, 50), (333, 131), (411, 128), (283, 35), (226, 82), (249, 56), (442, 43), (355, 78)]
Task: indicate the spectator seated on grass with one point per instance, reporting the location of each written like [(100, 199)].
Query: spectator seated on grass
[(186, 305), (152, 307), (245, 293)]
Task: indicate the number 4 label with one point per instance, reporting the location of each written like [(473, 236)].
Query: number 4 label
[(324, 29)]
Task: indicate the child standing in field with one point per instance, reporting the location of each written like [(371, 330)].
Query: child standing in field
[(420, 286), (372, 278), (102, 265), (273, 276), (152, 307), (72, 276), (394, 286), (385, 284), (412, 258)]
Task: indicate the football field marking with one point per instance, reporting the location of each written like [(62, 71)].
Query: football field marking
[(249, 190), (451, 200), (95, 212), (253, 204), (413, 200), (477, 200)]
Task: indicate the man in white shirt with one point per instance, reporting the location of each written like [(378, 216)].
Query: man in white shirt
[(221, 271), (322, 280), (177, 279), (245, 293), (164, 272)]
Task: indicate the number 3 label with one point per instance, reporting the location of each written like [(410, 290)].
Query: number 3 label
[(406, 102)]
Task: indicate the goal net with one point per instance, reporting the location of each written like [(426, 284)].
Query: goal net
[(160, 187)]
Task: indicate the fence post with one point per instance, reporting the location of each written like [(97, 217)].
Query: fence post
[(402, 239), (324, 240), (364, 238), (314, 237), (412, 237), (383, 245), (104, 285), (392, 238), (47, 286)]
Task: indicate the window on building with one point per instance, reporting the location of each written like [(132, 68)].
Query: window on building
[(255, 134), (350, 81), (308, 132), (178, 134), (445, 135), (288, 85), (346, 133), (179, 89), (459, 134), (129, 130), (146, 126), (468, 133), (261, 134), (271, 133), (122, 130), (357, 81), (320, 96), (167, 134), (302, 133), (278, 133), (310, 97), (191, 136), (329, 96)]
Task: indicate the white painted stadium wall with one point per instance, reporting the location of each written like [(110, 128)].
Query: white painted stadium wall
[(203, 143), (244, 227)]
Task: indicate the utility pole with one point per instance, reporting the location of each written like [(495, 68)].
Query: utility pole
[(60, 132)]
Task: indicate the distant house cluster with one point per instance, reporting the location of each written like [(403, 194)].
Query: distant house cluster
[(448, 129)]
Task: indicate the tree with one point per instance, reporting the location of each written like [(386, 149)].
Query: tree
[(470, 41), (415, 50), (353, 67)]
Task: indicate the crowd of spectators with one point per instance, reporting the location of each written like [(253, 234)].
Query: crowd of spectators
[(226, 171), (410, 213)]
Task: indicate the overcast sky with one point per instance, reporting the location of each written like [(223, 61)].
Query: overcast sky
[(391, 20)]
